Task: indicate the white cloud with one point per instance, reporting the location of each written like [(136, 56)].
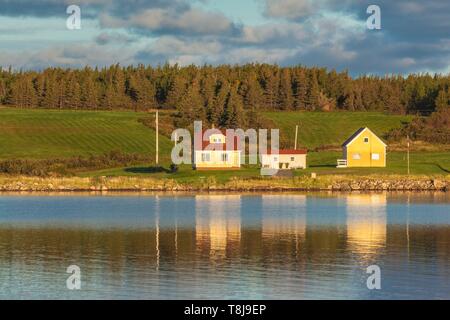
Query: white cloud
[(291, 9), (159, 20)]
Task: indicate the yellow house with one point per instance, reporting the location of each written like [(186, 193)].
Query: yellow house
[(363, 149), (214, 153)]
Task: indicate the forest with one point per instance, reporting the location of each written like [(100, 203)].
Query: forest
[(224, 95)]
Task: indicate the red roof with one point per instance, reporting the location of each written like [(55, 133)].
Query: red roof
[(288, 151), (216, 146)]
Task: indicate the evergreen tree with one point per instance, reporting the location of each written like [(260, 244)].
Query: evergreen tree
[(89, 98), (51, 93), (191, 108), (442, 100), (220, 105), (285, 96), (251, 92), (260, 86), (208, 92), (300, 90), (270, 83), (176, 92), (312, 100), (72, 96), (233, 114)]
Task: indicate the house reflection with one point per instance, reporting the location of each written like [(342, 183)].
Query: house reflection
[(217, 223), (366, 222)]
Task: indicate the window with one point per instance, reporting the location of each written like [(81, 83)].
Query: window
[(206, 157), (356, 156), (292, 158), (366, 139), (224, 157), (375, 156)]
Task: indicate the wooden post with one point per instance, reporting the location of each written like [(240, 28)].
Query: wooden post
[(157, 138), (296, 133), (407, 155)]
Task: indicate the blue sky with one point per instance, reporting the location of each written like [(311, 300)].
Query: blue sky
[(415, 35)]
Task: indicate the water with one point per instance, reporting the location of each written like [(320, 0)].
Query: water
[(288, 246)]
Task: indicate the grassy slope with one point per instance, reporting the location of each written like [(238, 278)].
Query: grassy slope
[(42, 134), (330, 128)]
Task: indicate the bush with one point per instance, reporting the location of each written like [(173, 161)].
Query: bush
[(61, 167), (433, 129)]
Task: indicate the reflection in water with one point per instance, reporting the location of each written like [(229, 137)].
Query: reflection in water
[(218, 223), (283, 214), (366, 222), (225, 246)]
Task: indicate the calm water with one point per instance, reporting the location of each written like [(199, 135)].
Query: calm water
[(291, 246)]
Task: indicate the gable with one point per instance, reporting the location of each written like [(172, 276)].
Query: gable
[(360, 133)]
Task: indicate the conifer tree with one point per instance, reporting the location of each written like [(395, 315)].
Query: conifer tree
[(233, 115), (442, 100), (176, 92), (312, 100), (300, 90), (89, 98), (285, 96)]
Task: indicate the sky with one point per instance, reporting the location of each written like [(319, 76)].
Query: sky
[(414, 35)]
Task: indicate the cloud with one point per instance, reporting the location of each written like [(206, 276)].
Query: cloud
[(105, 38), (182, 51), (71, 57), (290, 9), (169, 21), (331, 33), (49, 8), (297, 10)]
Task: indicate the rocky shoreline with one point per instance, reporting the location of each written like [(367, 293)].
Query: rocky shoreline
[(27, 184)]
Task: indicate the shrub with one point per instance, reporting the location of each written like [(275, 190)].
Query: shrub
[(61, 167)]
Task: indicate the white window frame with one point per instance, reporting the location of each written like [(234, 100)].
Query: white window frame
[(375, 156), (365, 140), (356, 156)]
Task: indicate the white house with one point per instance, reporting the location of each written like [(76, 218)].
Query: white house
[(284, 159)]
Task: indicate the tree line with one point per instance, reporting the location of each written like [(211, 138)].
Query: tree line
[(225, 95)]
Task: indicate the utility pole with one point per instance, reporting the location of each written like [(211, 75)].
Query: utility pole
[(407, 154), (157, 138), (296, 133)]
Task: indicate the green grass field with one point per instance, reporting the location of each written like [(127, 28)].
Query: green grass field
[(431, 163), (317, 129), (41, 134)]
